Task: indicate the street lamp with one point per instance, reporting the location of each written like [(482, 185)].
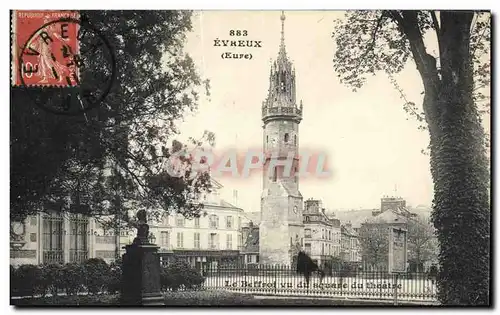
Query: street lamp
[(152, 238)]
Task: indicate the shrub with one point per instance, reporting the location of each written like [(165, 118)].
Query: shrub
[(113, 282), (180, 274), (14, 283), (51, 279), (97, 274), (72, 276), (348, 269), (26, 279)]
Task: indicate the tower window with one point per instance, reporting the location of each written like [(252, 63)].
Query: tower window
[(295, 139), (267, 139), (286, 137), (275, 174)]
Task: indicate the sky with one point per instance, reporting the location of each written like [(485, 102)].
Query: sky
[(373, 146)]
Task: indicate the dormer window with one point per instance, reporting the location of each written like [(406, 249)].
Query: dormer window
[(286, 137)]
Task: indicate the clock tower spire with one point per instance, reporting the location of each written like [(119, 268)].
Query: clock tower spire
[(281, 228)]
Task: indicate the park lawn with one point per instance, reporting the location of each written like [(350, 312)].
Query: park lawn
[(64, 300), (195, 298), (224, 298), (186, 298)]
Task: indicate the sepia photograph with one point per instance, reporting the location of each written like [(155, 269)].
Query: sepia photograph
[(169, 158)]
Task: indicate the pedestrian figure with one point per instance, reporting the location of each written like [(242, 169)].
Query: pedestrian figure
[(306, 266)]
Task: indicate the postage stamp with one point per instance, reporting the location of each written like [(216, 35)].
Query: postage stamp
[(65, 63), (44, 48)]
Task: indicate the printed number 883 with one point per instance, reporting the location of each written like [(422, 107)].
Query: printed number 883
[(238, 33)]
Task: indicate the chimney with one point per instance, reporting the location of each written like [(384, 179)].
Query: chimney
[(235, 198)]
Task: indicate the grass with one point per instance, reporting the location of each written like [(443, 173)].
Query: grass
[(197, 298), (73, 300)]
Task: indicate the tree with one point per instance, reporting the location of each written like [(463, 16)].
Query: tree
[(422, 242), (369, 42), (374, 243), (112, 159)]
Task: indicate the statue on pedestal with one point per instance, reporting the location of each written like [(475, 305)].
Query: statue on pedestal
[(141, 269), (142, 228)]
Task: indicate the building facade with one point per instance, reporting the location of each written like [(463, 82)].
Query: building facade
[(350, 244), (206, 242), (214, 238), (250, 247), (321, 233), (281, 228), (53, 237)]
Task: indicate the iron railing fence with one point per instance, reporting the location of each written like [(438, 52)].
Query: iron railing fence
[(78, 256), (347, 283), (53, 257)]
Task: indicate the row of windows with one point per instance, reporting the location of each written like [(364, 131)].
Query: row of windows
[(350, 243), (326, 249), (351, 255), (53, 232), (286, 138), (213, 240), (213, 221), (329, 249), (325, 235)]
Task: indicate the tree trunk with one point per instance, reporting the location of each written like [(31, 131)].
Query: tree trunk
[(459, 170)]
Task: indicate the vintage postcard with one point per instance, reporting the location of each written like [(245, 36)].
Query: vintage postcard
[(175, 157)]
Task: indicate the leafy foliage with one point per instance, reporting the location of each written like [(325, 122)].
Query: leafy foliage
[(377, 46), (52, 280), (180, 275), (112, 159), (454, 80), (94, 269), (73, 275), (25, 279), (422, 241), (374, 243), (115, 277), (93, 276)]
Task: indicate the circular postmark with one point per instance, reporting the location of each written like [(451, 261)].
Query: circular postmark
[(84, 74)]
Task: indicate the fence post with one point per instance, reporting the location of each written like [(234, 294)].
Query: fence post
[(395, 288), (245, 271), (276, 270)]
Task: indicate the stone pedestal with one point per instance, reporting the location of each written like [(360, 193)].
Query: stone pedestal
[(141, 276), (398, 244)]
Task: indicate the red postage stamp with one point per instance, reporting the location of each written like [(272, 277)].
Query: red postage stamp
[(45, 48)]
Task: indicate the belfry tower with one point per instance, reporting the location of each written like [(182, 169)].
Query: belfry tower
[(281, 229)]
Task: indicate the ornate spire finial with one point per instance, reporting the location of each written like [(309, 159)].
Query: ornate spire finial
[(282, 44), (283, 27)]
